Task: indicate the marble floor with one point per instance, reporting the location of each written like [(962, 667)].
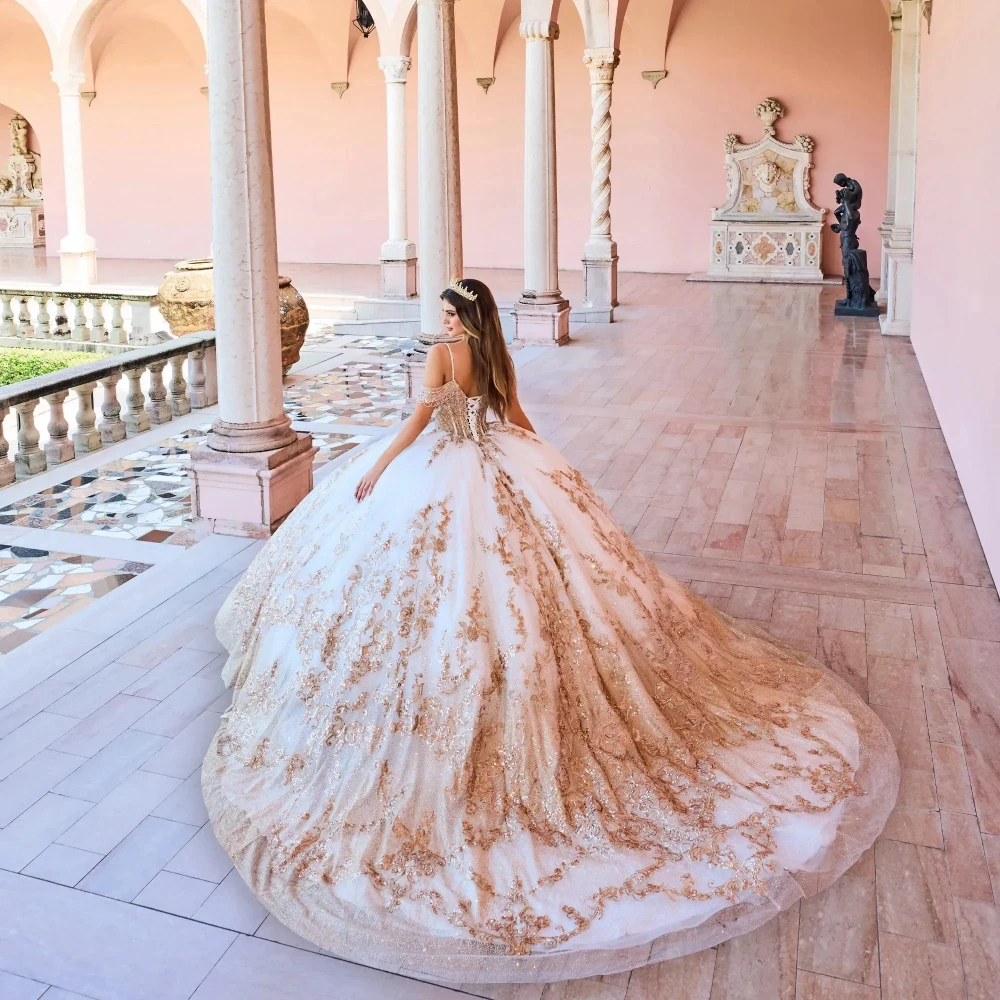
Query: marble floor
[(787, 466)]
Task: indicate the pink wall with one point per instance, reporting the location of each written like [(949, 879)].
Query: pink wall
[(146, 134), (955, 330)]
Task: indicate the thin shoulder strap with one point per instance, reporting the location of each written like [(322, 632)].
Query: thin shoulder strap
[(452, 356)]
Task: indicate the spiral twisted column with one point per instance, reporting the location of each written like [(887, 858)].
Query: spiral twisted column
[(541, 314), (600, 256), (399, 255)]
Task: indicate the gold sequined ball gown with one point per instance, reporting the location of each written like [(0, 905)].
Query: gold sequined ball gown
[(477, 735)]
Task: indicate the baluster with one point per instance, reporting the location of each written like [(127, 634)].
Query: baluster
[(136, 417), (158, 408), (62, 322), (30, 459), (179, 402), (24, 327), (117, 335), (98, 333), (6, 316), (58, 448), (196, 375), (87, 437), (140, 333), (6, 465), (112, 427), (80, 329), (42, 330)]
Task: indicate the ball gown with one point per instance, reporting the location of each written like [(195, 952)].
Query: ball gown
[(476, 735)]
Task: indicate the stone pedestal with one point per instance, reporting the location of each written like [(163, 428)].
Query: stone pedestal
[(250, 494), (600, 281), (899, 291), (399, 270), (22, 227), (541, 322)]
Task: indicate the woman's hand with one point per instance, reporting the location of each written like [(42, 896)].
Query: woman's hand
[(367, 484)]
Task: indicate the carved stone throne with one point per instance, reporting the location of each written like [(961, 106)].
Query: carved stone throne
[(768, 229), (22, 220)]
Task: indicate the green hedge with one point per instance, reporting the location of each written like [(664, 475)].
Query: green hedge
[(17, 364)]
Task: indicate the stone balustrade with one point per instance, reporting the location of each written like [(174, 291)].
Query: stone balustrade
[(191, 385), (114, 319)]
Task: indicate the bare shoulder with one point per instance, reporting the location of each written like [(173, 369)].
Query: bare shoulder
[(434, 376)]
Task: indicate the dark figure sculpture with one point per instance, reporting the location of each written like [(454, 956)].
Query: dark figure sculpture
[(860, 299)]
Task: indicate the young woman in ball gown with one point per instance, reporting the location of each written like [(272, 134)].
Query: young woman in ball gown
[(477, 735)]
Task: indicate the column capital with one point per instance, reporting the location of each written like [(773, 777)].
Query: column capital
[(539, 31), (395, 68), (69, 84), (602, 64)]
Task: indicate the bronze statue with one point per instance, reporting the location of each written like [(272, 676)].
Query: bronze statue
[(860, 299)]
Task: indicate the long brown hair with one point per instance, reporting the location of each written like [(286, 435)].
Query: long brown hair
[(491, 361)]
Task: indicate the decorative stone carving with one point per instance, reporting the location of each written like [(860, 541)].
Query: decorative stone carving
[(486, 82), (654, 76), (22, 221), (187, 302), (768, 229)]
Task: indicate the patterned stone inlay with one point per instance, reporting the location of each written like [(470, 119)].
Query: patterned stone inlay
[(39, 588), (384, 347), (356, 392), (145, 496)]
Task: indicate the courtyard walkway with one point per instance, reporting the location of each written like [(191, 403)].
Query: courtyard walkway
[(787, 466)]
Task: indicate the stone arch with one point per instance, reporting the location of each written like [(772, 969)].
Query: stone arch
[(38, 13), (395, 24), (74, 40)]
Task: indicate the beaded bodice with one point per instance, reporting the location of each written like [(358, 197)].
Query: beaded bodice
[(455, 413)]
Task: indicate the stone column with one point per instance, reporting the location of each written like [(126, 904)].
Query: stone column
[(885, 230), (541, 314), (254, 468), (899, 251), (437, 155), (399, 255), (77, 249), (600, 256)]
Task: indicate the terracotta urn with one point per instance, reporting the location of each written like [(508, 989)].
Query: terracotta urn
[(187, 302)]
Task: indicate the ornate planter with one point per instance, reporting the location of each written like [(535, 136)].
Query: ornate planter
[(187, 302)]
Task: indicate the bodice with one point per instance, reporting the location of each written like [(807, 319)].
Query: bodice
[(455, 413)]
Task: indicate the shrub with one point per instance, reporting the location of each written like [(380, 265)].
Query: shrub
[(17, 364)]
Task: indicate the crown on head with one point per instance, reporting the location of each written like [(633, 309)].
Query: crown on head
[(456, 286)]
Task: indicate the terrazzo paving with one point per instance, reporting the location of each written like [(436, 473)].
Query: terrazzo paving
[(401, 348), (39, 588), (357, 392), (145, 496)]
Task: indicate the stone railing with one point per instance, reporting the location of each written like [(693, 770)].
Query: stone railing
[(53, 317), (166, 401)]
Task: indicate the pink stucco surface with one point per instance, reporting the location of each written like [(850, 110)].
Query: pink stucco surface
[(146, 134), (955, 331)]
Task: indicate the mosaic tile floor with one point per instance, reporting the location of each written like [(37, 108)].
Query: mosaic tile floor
[(400, 348), (145, 496), (39, 588), (357, 392)]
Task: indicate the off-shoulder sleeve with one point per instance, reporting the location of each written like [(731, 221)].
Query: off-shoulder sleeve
[(431, 397)]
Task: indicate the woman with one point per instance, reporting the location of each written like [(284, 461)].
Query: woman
[(476, 735)]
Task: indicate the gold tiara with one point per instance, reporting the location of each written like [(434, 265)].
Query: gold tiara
[(464, 292)]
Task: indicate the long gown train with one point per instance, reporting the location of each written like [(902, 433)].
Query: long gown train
[(477, 735)]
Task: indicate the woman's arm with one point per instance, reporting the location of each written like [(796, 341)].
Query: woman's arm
[(517, 416), (409, 432)]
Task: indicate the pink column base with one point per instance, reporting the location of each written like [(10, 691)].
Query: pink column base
[(542, 323), (251, 494)]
